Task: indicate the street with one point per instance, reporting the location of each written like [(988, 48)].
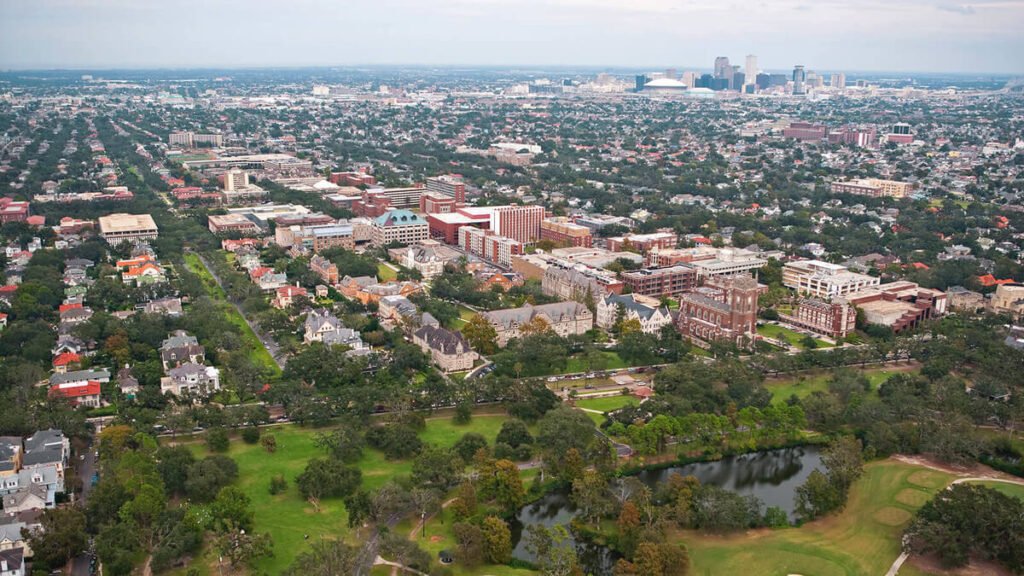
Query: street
[(86, 468)]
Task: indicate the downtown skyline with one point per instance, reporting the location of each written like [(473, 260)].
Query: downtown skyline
[(903, 36)]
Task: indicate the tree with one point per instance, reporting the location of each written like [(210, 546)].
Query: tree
[(464, 504), (470, 541), (269, 443), (463, 414), (514, 433), (60, 537), (345, 442), (437, 468), (553, 549), (591, 495), (243, 548), (217, 440), (326, 558), (324, 478), (359, 506), (497, 540), (481, 335), (173, 463), (628, 526), (207, 476), (500, 481), (816, 496), (467, 446), (232, 509)]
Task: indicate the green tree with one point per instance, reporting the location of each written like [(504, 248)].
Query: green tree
[(497, 540), (481, 335), (61, 536), (232, 509)]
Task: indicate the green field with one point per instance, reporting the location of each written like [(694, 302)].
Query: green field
[(807, 384), (257, 353), (577, 364), (287, 517), (385, 273), (607, 403), (862, 539), (786, 335), (1014, 490)]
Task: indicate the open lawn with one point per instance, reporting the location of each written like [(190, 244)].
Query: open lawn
[(607, 403), (577, 364), (1014, 490), (287, 517), (257, 353), (385, 273), (785, 334), (862, 539), (806, 384)]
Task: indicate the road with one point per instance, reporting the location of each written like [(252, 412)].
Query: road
[(86, 468), (272, 348)]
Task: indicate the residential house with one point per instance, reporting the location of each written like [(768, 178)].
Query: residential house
[(286, 295), (191, 379), (324, 268), (164, 307), (12, 562), (394, 311), (322, 326), (181, 348)]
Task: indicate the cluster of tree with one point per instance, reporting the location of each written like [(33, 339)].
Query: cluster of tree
[(970, 521), (133, 515), (826, 492), (748, 428)]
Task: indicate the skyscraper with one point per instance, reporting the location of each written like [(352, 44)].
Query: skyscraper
[(799, 77), (750, 74), (722, 67), (641, 79), (838, 80)]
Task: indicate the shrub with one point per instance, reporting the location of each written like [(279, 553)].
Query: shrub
[(251, 435), (278, 484), (217, 440)]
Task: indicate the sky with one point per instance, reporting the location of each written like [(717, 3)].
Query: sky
[(986, 36)]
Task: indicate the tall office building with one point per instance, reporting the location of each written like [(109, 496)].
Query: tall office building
[(641, 79), (722, 67), (690, 79), (799, 78), (750, 74), (838, 80), (671, 73)]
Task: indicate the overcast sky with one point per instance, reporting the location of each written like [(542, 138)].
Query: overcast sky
[(825, 35)]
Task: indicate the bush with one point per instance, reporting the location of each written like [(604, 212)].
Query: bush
[(251, 435), (217, 440), (278, 485)]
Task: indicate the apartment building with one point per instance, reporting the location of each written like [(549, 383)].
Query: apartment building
[(565, 232), (644, 243), (489, 245), (874, 187)]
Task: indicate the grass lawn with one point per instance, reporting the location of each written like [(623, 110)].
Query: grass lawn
[(607, 403), (578, 364), (862, 539), (809, 383), (385, 273), (786, 335), (1014, 490), (257, 353), (287, 517)]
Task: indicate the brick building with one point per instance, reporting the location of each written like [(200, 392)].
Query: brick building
[(668, 281), (832, 319), (723, 309), (564, 232)]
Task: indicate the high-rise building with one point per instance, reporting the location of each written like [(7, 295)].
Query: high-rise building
[(838, 80), (690, 79), (521, 223), (799, 79), (671, 73), (641, 79), (722, 67), (750, 73), (448, 185), (235, 180)]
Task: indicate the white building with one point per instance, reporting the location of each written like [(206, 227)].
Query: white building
[(823, 279)]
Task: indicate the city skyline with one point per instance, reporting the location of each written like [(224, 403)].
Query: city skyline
[(902, 36)]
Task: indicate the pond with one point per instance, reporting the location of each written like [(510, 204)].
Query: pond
[(772, 476)]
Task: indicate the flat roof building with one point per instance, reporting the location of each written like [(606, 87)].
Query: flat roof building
[(824, 279), (118, 228)]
